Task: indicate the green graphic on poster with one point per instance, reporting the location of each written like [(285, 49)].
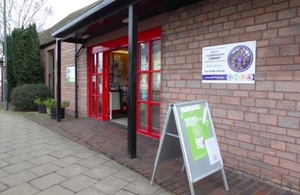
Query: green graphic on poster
[(198, 129)]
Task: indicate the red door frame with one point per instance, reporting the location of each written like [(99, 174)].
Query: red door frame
[(106, 47)]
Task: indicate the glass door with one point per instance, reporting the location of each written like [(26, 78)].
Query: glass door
[(149, 74), (98, 90)]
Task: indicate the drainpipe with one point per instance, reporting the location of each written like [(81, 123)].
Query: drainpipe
[(77, 51)]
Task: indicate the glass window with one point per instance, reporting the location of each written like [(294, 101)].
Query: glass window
[(94, 108), (100, 62), (155, 86), (144, 49), (99, 106), (143, 110), (155, 119), (93, 84), (144, 87), (100, 84), (94, 64), (156, 55)]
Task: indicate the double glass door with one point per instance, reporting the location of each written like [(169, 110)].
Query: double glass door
[(148, 81)]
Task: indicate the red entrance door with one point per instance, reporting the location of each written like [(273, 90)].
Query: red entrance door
[(148, 80), (98, 87)]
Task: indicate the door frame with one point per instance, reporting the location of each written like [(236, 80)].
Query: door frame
[(107, 47)]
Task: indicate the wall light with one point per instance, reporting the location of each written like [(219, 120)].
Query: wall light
[(125, 20), (85, 36)]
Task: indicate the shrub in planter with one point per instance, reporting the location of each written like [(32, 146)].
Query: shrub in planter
[(51, 105), (22, 97), (41, 105)]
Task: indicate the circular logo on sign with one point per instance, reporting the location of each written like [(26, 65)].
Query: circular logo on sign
[(240, 58)]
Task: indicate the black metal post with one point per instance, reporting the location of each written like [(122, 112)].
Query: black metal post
[(5, 84), (76, 82), (58, 80), (132, 47)]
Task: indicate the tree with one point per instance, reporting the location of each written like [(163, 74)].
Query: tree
[(25, 65), (22, 13)]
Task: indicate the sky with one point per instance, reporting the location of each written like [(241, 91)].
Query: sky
[(62, 8)]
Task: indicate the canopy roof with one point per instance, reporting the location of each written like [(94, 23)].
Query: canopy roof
[(106, 15)]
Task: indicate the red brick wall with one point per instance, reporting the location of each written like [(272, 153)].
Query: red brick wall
[(68, 88), (257, 126)]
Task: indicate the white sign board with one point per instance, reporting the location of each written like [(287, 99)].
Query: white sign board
[(71, 74), (231, 63)]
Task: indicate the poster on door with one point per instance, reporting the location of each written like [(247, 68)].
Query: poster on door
[(229, 63)]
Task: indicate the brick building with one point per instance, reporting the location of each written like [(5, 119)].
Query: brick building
[(257, 125)]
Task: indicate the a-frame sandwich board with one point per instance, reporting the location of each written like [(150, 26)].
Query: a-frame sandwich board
[(189, 132)]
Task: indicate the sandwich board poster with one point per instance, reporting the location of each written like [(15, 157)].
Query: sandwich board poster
[(189, 132), (198, 125), (229, 63)]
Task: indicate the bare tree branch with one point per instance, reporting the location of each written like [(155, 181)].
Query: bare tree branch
[(22, 13)]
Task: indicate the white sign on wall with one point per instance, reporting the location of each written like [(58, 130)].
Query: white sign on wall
[(231, 63), (71, 74)]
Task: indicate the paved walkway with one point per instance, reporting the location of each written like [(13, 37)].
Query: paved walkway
[(36, 160), (70, 161)]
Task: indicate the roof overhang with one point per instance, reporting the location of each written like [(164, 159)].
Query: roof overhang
[(107, 16)]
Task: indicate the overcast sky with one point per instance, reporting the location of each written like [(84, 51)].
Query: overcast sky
[(62, 8)]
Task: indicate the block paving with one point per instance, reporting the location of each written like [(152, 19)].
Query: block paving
[(84, 156), (110, 139)]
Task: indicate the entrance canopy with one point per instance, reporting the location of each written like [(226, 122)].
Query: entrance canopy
[(108, 15)]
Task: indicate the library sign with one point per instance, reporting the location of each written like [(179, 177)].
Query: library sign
[(231, 63)]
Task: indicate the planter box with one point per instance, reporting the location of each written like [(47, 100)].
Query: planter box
[(53, 113), (42, 109)]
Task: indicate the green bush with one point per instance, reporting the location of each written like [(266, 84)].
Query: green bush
[(22, 97)]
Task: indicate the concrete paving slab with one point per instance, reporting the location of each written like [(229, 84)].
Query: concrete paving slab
[(78, 183), (44, 169), (43, 160), (100, 172), (17, 178), (142, 185), (19, 158), (56, 190), (47, 181), (123, 192), (24, 189), (92, 162), (22, 166), (90, 191), (62, 153), (67, 161), (72, 171), (111, 185)]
